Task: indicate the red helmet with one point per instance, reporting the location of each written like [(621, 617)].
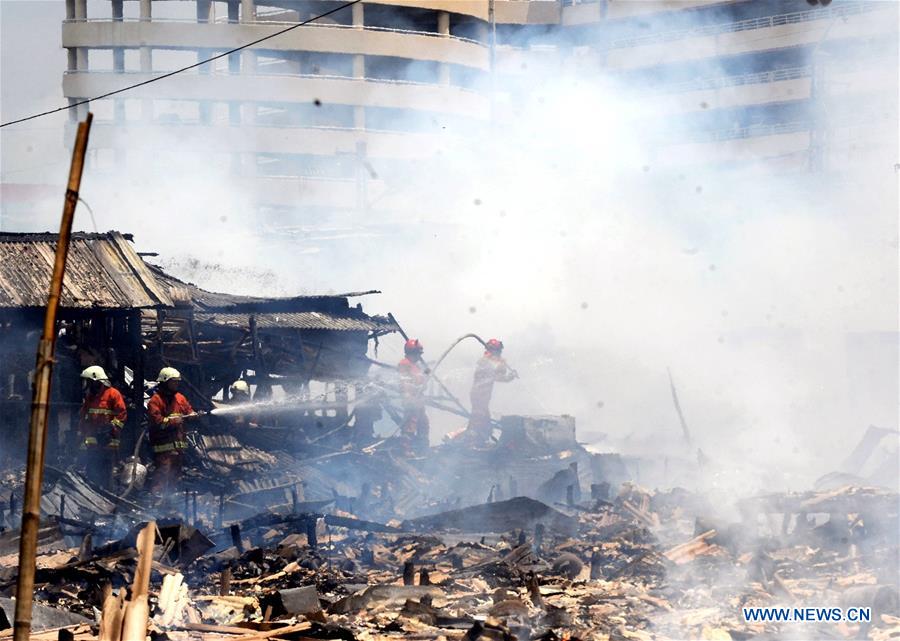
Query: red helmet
[(494, 345), (413, 346)]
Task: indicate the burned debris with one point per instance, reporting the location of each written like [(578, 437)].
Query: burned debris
[(600, 571), (291, 519)]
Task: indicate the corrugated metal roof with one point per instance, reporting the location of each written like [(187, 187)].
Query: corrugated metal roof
[(299, 320), (207, 301), (102, 271)]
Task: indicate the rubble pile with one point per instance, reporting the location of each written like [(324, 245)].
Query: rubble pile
[(637, 565)]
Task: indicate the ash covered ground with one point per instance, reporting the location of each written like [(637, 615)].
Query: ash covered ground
[(530, 538)]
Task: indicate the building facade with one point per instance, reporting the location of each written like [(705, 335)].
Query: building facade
[(303, 120)]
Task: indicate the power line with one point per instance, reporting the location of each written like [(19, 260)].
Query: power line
[(189, 67)]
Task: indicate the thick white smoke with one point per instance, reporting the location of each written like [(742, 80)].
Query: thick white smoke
[(601, 259)]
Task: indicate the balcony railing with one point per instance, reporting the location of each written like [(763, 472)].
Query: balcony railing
[(835, 11), (262, 74), (224, 123), (731, 133), (720, 82), (279, 23)]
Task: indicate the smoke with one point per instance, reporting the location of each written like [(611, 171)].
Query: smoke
[(600, 255)]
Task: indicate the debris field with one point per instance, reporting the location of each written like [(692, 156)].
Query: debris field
[(634, 565)]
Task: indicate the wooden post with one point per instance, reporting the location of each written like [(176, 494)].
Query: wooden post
[(220, 519), (534, 591), (137, 611), (137, 383), (538, 537), (311, 535), (86, 550), (40, 403), (225, 582), (596, 564), (235, 531), (111, 619)]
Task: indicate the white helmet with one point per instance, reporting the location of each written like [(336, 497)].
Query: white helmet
[(168, 374), (95, 373), (241, 387)]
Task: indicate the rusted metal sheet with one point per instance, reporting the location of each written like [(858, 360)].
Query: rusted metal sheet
[(102, 271), (299, 320)]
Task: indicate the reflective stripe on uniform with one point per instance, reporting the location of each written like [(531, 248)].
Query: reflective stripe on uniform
[(90, 440), (113, 443), (117, 422), (98, 410), (168, 447), (172, 415)]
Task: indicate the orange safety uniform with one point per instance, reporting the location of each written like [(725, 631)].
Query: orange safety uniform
[(167, 437), (100, 422), (415, 425), (491, 368), (167, 412), (102, 418)]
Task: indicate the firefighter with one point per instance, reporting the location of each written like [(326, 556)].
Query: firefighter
[(240, 391), (240, 395), (491, 368), (101, 420), (167, 410), (413, 376)]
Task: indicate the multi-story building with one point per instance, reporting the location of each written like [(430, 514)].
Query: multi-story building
[(804, 83), (302, 120)]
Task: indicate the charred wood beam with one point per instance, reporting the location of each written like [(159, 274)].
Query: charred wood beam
[(297, 520)]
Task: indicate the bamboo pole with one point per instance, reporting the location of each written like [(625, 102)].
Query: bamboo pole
[(40, 403)]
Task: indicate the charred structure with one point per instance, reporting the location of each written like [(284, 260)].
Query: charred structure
[(106, 291), (293, 521), (132, 319)]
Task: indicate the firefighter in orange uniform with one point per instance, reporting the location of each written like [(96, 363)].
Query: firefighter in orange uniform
[(413, 377), (240, 395), (101, 420), (491, 368), (167, 410)]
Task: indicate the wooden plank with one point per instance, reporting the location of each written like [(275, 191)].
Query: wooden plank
[(252, 636)]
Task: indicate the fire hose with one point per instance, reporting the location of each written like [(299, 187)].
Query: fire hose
[(135, 456), (450, 349), (134, 463), (453, 345)]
